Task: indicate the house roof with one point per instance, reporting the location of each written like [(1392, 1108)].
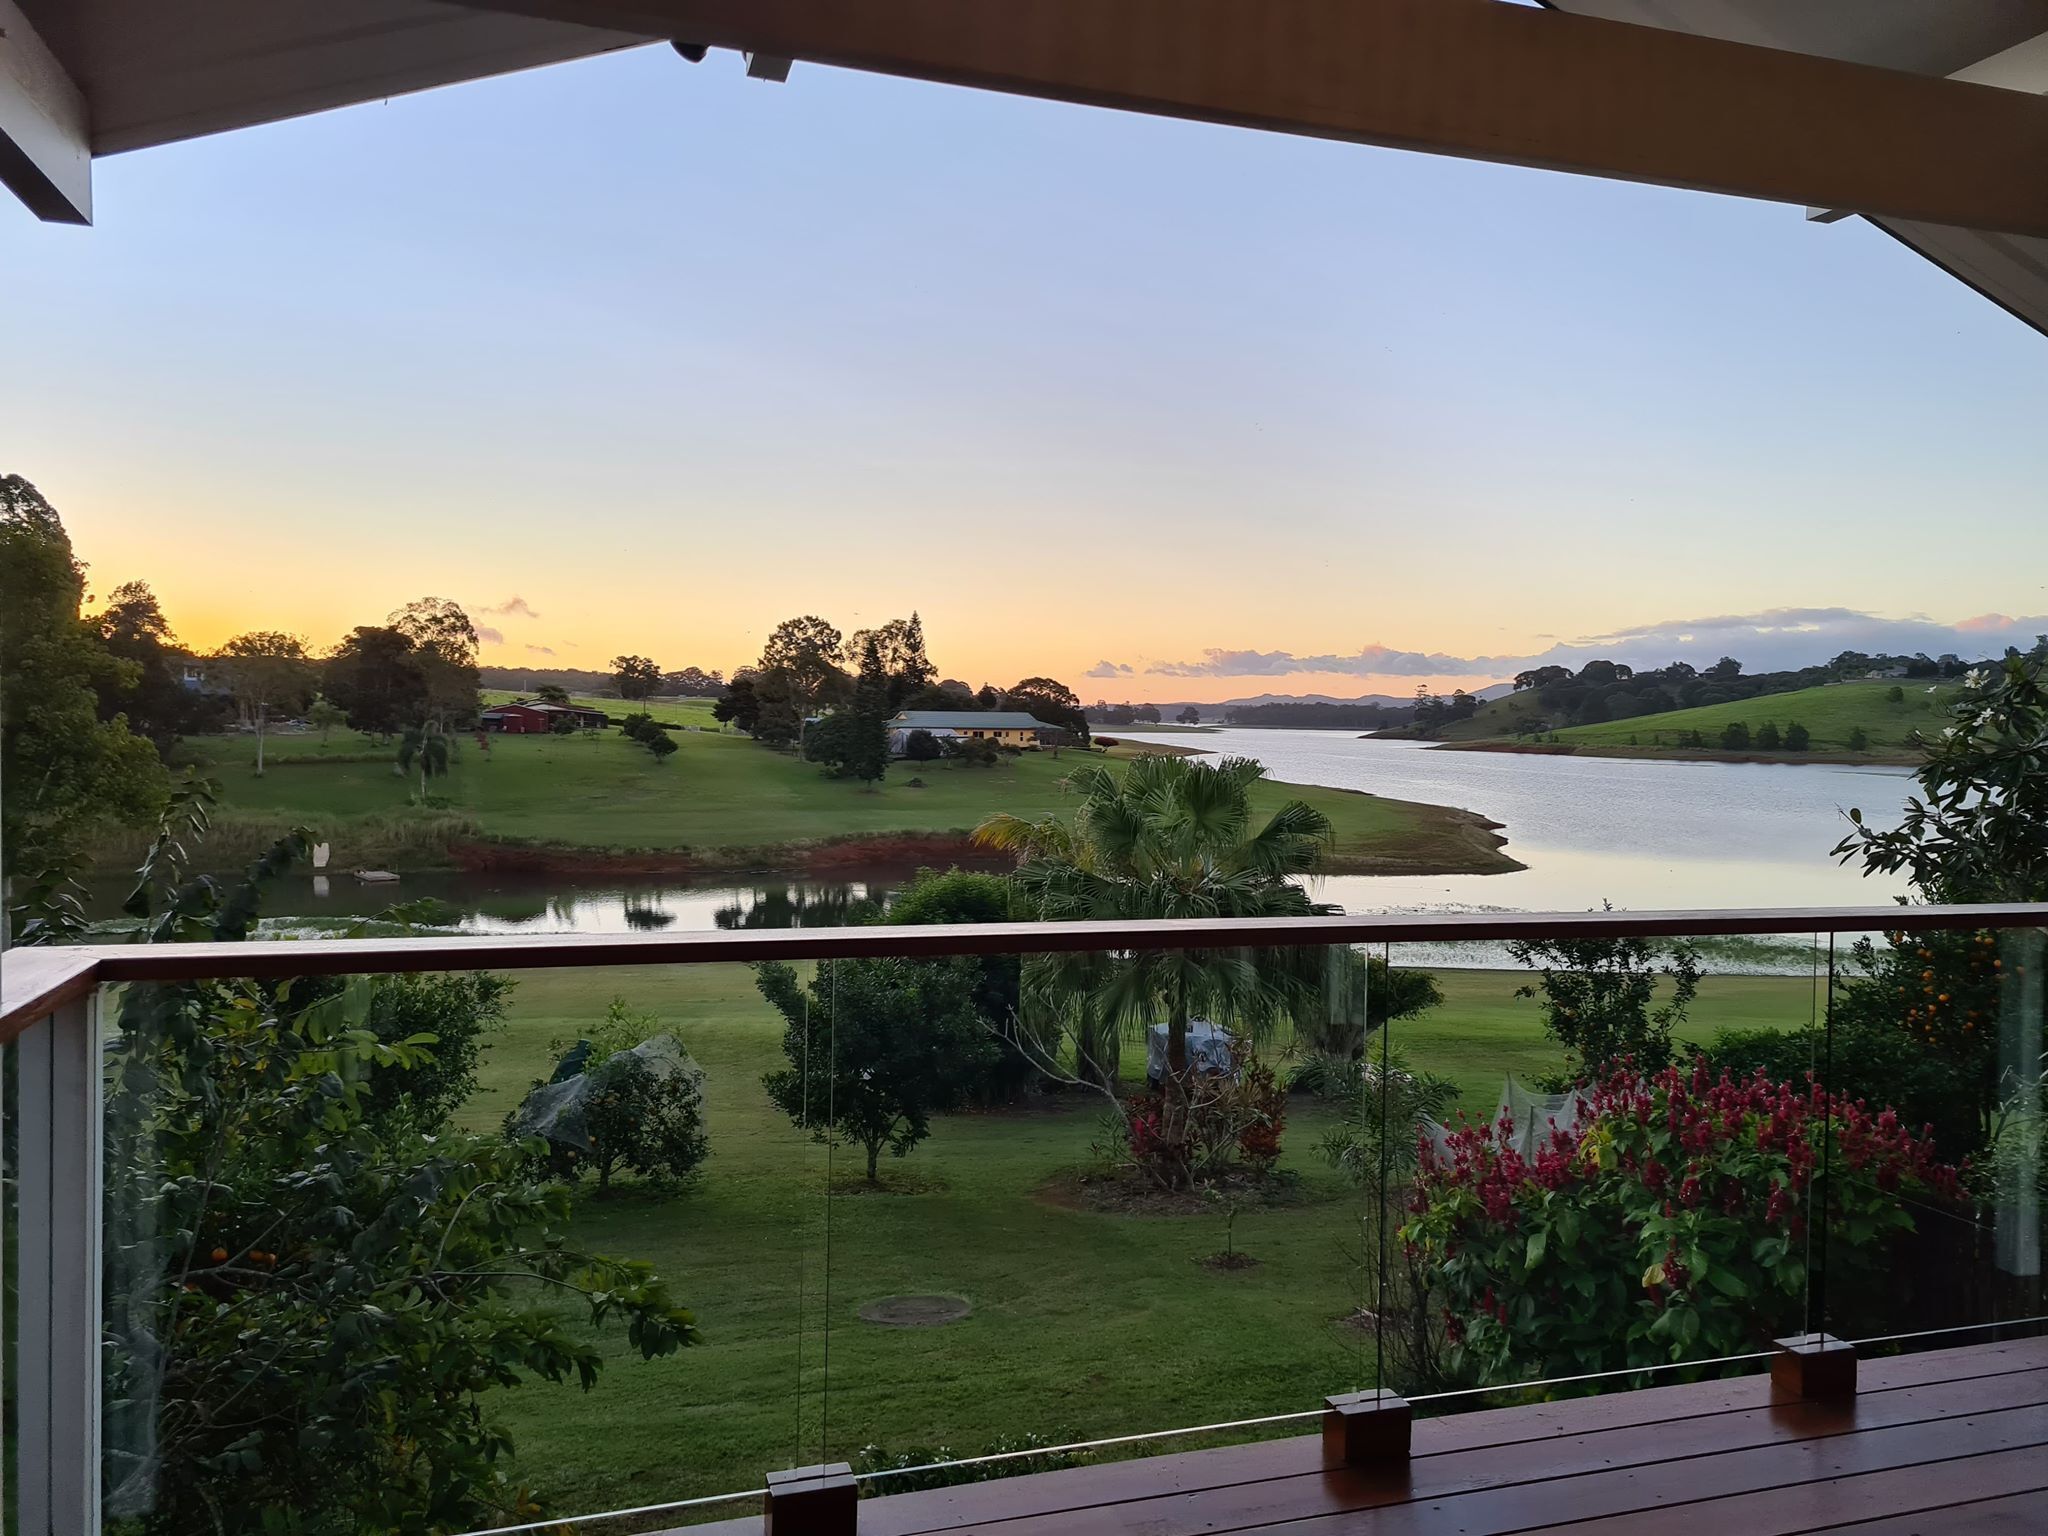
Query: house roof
[(2001, 43), (966, 720), (542, 706)]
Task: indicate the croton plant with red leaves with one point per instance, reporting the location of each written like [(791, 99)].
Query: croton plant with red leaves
[(1668, 1221)]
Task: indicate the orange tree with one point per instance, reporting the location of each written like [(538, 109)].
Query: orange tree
[(308, 1300), (1977, 831)]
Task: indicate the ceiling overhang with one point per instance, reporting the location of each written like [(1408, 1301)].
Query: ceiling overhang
[(1924, 115)]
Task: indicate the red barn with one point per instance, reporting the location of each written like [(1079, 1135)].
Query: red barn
[(516, 719), (521, 718)]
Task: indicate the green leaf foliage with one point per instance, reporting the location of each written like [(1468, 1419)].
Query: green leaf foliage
[(876, 1047), (307, 1301)]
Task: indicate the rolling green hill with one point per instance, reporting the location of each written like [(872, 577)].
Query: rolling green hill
[(1829, 714)]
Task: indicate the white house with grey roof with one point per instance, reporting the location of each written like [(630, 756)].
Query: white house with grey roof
[(1006, 728)]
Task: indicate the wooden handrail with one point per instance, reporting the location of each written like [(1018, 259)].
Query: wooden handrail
[(37, 980), (34, 982)]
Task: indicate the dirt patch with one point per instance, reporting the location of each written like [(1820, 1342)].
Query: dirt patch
[(915, 1311), (853, 1181), (1129, 1194), (1227, 1262), (1363, 1320)]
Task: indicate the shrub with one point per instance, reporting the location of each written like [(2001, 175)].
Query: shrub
[(1668, 1224), (1767, 737), (457, 1012), (613, 1107), (973, 751), (1797, 737), (1878, 1063), (1735, 737), (1597, 996), (1229, 1119), (921, 747), (1859, 740), (649, 732)]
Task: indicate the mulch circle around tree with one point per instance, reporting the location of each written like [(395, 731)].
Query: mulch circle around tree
[(915, 1311)]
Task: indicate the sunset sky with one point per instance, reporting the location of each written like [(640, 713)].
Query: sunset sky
[(630, 355)]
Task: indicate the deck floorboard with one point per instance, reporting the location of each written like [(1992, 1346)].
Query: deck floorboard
[(1952, 1440)]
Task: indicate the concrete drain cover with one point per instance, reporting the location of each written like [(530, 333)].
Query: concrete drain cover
[(915, 1311)]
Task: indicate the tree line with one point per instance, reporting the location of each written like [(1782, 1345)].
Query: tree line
[(682, 682), (832, 695), (94, 704)]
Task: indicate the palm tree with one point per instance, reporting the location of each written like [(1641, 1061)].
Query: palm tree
[(426, 745), (1171, 837)]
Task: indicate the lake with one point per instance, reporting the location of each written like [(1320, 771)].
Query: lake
[(1591, 829), (1640, 834)]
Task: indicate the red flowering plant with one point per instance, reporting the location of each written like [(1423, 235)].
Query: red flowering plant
[(1668, 1221), (1224, 1121)]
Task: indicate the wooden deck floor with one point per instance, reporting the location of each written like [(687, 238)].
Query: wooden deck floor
[(1947, 1443)]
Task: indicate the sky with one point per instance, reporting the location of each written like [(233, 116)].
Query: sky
[(630, 355)]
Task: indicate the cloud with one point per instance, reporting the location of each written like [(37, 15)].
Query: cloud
[(1108, 669), (490, 636), (1773, 640), (515, 604), (542, 650), (1777, 639), (1371, 661)]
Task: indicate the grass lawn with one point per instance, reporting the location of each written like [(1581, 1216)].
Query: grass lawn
[(1083, 1323), (727, 791), (1830, 714)]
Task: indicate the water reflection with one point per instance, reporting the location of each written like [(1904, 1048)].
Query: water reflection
[(468, 903), (804, 906)]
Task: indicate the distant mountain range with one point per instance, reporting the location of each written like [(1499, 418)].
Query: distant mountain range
[(1387, 700)]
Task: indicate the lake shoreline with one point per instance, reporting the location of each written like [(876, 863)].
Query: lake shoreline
[(1420, 839), (1673, 754), (1447, 841)]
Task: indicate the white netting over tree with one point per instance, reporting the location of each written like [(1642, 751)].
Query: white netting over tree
[(557, 1110), (1528, 1114)]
